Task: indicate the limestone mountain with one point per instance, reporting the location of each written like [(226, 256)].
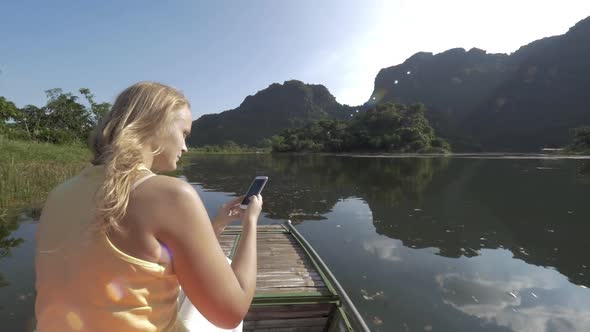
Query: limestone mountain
[(545, 97), (267, 113), (478, 101), (498, 102)]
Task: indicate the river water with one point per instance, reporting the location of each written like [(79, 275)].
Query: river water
[(466, 243)]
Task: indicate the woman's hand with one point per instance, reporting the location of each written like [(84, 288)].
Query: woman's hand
[(230, 211), (253, 210)]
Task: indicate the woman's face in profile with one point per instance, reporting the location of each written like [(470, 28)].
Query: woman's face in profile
[(172, 142)]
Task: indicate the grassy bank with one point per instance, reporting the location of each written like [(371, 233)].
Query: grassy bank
[(29, 170)]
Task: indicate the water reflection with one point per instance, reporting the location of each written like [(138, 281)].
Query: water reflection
[(528, 299), (584, 172), (8, 224), (17, 295), (419, 243), (531, 207), (306, 187)]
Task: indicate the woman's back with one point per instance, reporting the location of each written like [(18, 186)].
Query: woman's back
[(83, 281)]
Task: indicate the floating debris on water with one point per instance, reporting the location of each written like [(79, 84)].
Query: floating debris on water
[(475, 299), (513, 295), (377, 321), (551, 231), (418, 210), (338, 225), (373, 297), (534, 295), (513, 309), (570, 212), (482, 238)]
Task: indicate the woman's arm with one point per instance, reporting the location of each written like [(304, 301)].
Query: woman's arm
[(222, 293)]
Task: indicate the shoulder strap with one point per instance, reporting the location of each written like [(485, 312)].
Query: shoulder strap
[(138, 182)]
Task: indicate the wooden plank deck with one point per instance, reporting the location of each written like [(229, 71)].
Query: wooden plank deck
[(291, 293)]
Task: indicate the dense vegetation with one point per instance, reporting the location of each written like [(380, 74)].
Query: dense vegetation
[(42, 146), (387, 127), (581, 141), (62, 120)]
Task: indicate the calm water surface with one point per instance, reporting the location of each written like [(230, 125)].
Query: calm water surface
[(420, 244)]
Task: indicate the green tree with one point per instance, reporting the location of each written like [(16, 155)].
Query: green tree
[(387, 127), (8, 111), (62, 120), (98, 110)]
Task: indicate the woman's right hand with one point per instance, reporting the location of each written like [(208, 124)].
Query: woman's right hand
[(253, 210)]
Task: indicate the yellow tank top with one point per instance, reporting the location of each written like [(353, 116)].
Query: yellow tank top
[(84, 283)]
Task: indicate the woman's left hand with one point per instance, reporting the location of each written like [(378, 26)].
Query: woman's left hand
[(230, 211)]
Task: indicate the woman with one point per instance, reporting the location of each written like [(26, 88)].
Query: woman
[(116, 242)]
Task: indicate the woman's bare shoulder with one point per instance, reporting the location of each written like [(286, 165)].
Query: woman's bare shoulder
[(161, 184), (164, 193), (160, 197)]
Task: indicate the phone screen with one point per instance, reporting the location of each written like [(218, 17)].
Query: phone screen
[(255, 189)]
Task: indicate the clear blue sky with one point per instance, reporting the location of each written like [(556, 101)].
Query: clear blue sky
[(219, 52)]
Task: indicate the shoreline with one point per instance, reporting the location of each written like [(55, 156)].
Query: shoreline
[(461, 155)]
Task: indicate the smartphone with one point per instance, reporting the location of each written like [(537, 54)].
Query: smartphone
[(255, 189)]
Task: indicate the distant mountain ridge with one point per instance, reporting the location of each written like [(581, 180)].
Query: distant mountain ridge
[(267, 113), (497, 102), (478, 101)]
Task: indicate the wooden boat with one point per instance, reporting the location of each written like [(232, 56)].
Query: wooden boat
[(295, 290)]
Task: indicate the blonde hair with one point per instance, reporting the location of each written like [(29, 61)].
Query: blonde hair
[(142, 111)]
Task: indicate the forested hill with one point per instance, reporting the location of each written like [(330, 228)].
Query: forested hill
[(268, 112)]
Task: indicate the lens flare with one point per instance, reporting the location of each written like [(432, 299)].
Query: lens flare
[(377, 96), (74, 321), (114, 290)]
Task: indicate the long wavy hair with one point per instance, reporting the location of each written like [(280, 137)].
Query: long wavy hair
[(142, 111)]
